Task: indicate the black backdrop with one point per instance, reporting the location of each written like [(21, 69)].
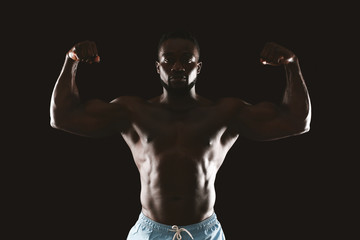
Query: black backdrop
[(64, 186)]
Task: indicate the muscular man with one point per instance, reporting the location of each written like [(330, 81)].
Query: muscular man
[(179, 139)]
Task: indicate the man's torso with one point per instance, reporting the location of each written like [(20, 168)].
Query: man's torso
[(178, 153)]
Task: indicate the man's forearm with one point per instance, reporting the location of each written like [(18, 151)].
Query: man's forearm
[(65, 96), (296, 97)]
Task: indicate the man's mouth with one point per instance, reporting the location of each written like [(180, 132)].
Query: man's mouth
[(178, 78)]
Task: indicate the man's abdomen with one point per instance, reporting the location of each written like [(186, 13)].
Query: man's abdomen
[(177, 189)]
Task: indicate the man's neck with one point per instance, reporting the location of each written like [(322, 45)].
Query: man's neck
[(185, 100)]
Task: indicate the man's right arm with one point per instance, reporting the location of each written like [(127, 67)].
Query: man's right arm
[(94, 118)]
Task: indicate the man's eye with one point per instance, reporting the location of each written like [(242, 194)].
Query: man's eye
[(168, 60), (189, 60)]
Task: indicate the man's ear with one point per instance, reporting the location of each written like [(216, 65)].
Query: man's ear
[(157, 65), (199, 65)]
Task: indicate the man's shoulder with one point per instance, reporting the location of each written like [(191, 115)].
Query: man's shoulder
[(128, 99), (232, 102), (154, 99)]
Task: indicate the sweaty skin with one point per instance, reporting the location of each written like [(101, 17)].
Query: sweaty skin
[(179, 140)]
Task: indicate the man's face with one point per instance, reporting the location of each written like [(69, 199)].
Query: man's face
[(178, 64)]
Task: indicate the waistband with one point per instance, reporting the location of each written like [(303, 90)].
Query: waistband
[(205, 224)]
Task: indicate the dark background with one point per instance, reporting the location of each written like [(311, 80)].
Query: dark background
[(62, 186)]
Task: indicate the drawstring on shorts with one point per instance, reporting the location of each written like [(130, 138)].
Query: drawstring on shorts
[(178, 231)]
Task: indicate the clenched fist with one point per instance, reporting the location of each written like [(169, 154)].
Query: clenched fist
[(85, 52), (276, 55)]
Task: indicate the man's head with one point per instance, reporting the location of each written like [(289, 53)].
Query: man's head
[(178, 61)]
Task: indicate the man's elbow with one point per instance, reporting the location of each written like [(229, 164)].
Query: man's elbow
[(55, 124), (307, 121), (303, 130), (59, 119), (52, 123), (54, 116), (303, 126)]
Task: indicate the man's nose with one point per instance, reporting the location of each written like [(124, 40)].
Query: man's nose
[(177, 66)]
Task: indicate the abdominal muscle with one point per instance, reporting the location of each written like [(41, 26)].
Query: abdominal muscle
[(177, 189)]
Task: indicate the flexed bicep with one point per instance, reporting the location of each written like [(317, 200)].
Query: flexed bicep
[(266, 121), (96, 118), (93, 118)]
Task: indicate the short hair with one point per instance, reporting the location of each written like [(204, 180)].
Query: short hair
[(179, 34)]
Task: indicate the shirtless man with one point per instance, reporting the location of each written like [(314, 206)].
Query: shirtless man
[(179, 139)]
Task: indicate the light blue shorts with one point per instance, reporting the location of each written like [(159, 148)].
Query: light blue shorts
[(147, 229)]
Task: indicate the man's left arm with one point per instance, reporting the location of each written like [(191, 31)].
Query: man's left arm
[(268, 121)]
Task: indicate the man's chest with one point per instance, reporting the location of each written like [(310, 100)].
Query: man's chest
[(192, 128)]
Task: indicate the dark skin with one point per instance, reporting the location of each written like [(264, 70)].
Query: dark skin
[(179, 139)]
